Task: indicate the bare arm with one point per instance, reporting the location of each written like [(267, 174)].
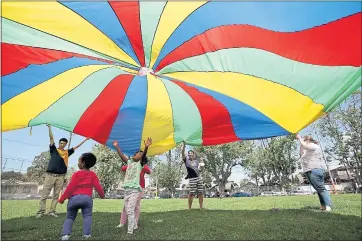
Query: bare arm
[(201, 165), (98, 187), (70, 188), (144, 156), (50, 135), (120, 153), (183, 151), (304, 144), (147, 144), (86, 139)]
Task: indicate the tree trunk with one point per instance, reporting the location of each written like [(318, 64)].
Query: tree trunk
[(358, 172), (222, 187), (264, 181), (349, 178), (257, 184)]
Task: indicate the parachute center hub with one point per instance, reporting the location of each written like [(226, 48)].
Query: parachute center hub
[(145, 71)]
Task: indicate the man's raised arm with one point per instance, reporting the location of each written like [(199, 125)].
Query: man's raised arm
[(86, 139), (51, 135), (183, 151)]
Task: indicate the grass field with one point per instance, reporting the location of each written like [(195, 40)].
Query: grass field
[(224, 219)]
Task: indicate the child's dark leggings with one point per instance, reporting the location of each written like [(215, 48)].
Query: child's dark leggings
[(85, 203)]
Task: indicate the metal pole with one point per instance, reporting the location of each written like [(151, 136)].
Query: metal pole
[(21, 166), (6, 159), (70, 139), (156, 185)]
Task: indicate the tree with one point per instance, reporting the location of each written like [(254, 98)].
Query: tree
[(244, 182), (36, 172), (273, 161), (258, 165), (282, 158), (207, 178), (342, 128), (168, 174), (11, 175), (108, 167), (220, 159), (9, 185)]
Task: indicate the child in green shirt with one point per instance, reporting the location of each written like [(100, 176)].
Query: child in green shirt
[(131, 182)]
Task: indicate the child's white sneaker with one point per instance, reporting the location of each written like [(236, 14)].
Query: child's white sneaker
[(120, 225), (53, 215), (135, 227), (65, 237), (130, 232), (87, 236)]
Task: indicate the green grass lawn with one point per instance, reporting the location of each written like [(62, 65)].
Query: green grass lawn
[(224, 219)]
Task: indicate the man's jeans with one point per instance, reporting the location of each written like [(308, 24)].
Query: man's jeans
[(316, 179)]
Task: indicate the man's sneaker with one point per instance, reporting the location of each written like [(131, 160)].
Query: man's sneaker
[(328, 209), (53, 215), (39, 215), (87, 236), (120, 225), (65, 237)]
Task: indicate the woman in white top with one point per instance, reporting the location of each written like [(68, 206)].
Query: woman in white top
[(313, 166)]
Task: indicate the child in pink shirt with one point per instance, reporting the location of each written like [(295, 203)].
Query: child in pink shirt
[(145, 170), (79, 193)]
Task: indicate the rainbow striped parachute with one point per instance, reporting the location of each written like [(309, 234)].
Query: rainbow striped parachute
[(201, 72)]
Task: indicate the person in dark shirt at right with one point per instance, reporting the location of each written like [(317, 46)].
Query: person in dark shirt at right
[(55, 173), (193, 167)]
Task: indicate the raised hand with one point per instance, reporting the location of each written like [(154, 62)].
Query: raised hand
[(148, 142), (115, 143)]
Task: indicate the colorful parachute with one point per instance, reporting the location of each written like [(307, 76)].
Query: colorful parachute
[(201, 72)]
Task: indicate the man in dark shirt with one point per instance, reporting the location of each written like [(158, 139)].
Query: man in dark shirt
[(55, 173), (193, 167)]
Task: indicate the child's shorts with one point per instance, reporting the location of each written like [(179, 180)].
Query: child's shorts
[(196, 185)]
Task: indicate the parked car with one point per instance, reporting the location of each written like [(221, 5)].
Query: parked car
[(33, 196), (299, 193), (271, 193), (242, 194), (165, 196), (114, 196)]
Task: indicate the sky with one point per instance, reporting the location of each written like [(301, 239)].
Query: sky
[(20, 148)]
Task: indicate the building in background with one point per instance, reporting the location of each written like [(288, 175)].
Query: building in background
[(11, 189)]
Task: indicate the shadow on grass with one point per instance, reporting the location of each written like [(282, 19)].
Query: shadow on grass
[(198, 225)]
